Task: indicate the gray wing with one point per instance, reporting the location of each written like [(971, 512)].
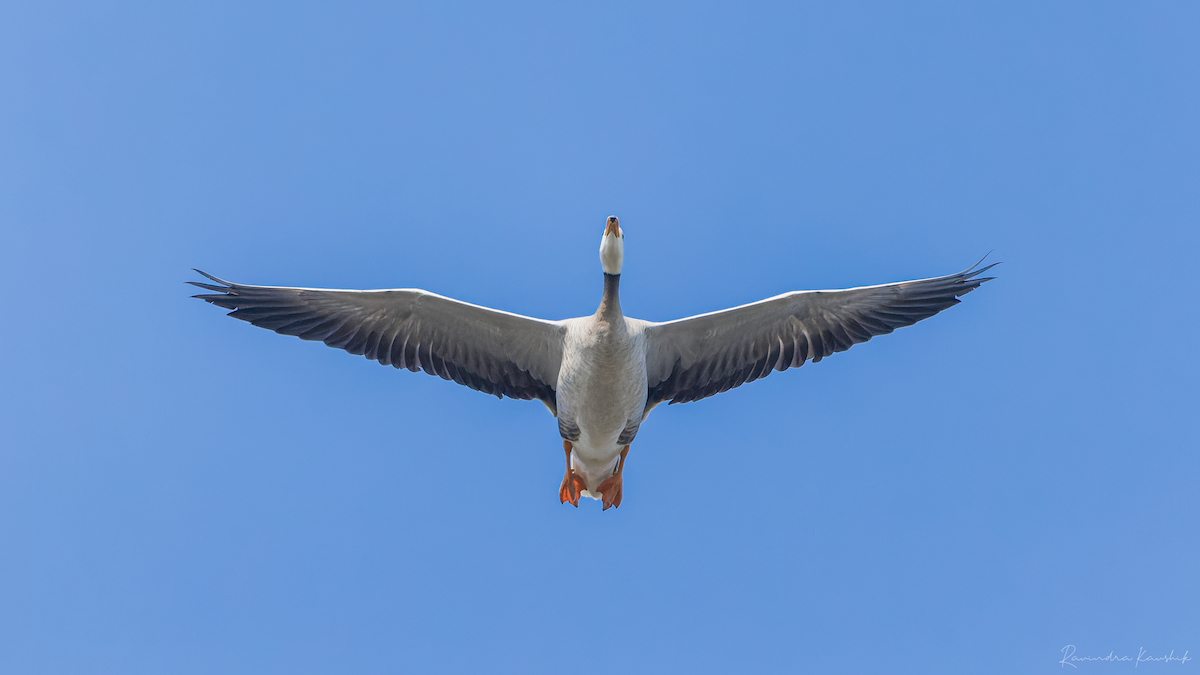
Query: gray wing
[(696, 357), (487, 350)]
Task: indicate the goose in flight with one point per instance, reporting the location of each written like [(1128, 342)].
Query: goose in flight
[(599, 375)]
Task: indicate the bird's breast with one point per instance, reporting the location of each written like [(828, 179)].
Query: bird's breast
[(601, 385)]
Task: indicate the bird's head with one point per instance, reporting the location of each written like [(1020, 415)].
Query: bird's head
[(612, 247)]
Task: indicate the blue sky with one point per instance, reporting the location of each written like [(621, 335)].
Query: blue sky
[(184, 493)]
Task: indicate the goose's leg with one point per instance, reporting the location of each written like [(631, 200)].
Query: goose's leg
[(610, 488), (572, 484)]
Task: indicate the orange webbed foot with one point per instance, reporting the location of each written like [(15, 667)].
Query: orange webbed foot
[(571, 486), (610, 488), (610, 491)]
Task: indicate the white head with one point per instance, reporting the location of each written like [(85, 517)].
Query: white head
[(612, 247)]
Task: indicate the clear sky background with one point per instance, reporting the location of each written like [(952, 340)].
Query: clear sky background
[(183, 493)]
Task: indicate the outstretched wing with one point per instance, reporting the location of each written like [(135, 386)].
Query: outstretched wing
[(694, 358), (487, 350)]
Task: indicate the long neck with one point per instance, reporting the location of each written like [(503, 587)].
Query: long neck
[(610, 304)]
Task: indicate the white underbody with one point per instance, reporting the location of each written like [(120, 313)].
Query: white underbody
[(602, 391)]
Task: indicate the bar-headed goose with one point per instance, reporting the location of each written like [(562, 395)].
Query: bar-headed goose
[(599, 375)]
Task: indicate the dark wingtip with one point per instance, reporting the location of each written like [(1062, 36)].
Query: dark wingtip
[(216, 279), (973, 269), (966, 280), (210, 287), (981, 270), (225, 289)]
